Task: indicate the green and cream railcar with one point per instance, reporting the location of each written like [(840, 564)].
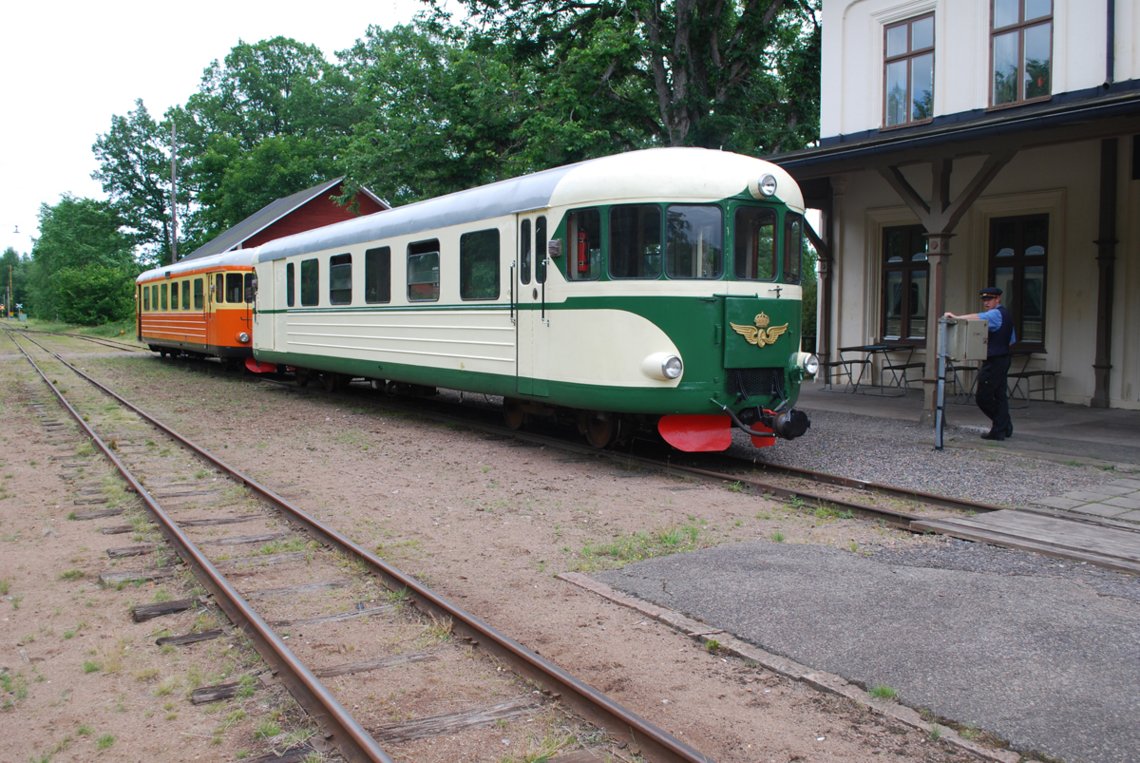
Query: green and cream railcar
[(661, 285)]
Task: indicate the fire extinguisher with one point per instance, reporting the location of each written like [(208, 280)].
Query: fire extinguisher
[(583, 252)]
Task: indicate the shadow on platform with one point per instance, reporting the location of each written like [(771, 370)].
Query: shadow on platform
[(1056, 429)]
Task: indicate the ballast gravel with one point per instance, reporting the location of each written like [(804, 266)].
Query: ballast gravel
[(902, 453)]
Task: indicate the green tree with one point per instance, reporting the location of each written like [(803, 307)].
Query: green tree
[(270, 120), (83, 265), (438, 117), (740, 75), (13, 281), (134, 170)]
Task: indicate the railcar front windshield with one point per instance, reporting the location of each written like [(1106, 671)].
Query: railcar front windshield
[(684, 242)]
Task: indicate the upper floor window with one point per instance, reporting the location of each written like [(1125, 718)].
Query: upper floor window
[(908, 62), (1022, 51)]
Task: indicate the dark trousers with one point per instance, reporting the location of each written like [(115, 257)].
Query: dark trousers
[(993, 392)]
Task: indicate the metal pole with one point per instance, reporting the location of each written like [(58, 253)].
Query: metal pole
[(940, 393), (173, 193)]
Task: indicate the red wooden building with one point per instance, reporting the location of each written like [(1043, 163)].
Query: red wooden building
[(312, 208)]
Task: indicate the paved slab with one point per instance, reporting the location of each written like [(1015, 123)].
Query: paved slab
[(1036, 651)]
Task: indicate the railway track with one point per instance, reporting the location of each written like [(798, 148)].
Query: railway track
[(103, 341), (1086, 539), (274, 571)]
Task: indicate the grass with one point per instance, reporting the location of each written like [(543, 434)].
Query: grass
[(827, 512), (882, 691), (267, 730), (13, 689), (640, 545)]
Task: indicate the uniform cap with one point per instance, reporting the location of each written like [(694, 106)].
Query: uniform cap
[(990, 291)]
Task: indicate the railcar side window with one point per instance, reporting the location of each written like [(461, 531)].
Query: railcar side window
[(524, 252), (199, 294), (247, 281), (694, 242), (185, 295), (173, 296), (584, 231), (340, 279), (310, 284), (479, 264), (793, 247), (755, 250), (146, 298), (635, 241), (219, 288), (540, 249), (154, 296), (162, 290), (290, 285), (423, 271), (233, 288), (378, 275)]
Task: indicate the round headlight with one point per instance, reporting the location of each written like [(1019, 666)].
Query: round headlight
[(243, 337), (768, 185), (664, 366), (810, 364)]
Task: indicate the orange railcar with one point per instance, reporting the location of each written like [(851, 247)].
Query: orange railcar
[(201, 307)]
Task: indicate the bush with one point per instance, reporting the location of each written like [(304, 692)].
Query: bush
[(93, 295)]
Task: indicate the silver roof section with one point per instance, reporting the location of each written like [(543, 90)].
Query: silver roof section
[(668, 173), (236, 257), (502, 198)]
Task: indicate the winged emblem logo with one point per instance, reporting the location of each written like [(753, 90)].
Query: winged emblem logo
[(760, 334)]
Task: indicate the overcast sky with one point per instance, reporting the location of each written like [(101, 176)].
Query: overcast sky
[(68, 66)]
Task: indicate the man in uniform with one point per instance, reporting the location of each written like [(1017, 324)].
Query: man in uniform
[(993, 393)]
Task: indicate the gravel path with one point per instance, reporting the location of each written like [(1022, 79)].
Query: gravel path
[(902, 453)]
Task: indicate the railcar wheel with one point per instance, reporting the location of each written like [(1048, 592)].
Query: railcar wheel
[(601, 429), (513, 414), (334, 382)]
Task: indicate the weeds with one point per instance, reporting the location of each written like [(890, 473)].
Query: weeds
[(882, 691), (640, 545)]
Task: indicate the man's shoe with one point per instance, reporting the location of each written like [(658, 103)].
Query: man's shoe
[(1009, 430), (993, 436)]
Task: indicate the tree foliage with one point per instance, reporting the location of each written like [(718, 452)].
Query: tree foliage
[(437, 106), (272, 119), (83, 239), (13, 281), (134, 169), (734, 74)]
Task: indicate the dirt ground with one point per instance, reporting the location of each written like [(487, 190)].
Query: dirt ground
[(488, 523)]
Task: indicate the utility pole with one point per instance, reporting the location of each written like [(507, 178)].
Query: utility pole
[(173, 193)]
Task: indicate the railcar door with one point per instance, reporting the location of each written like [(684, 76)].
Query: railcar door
[(531, 319)]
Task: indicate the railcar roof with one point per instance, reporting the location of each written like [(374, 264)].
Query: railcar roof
[(235, 257), (693, 174)]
